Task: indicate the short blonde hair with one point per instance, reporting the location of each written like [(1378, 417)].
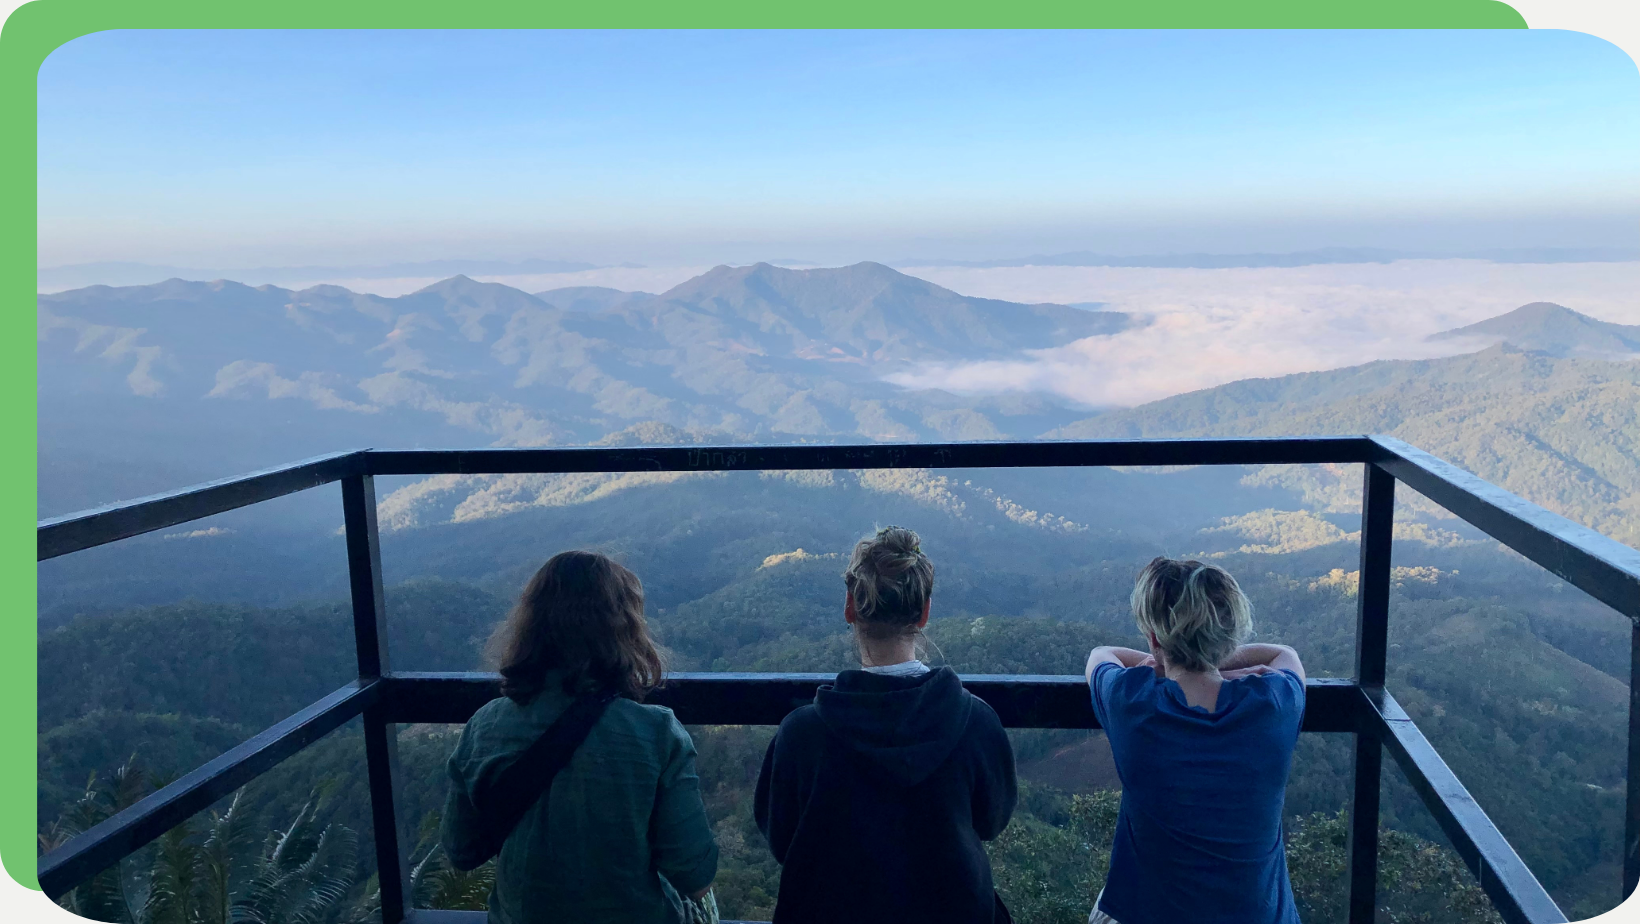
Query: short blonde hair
[(1196, 611), (890, 581)]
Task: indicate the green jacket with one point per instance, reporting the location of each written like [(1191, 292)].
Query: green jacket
[(622, 832)]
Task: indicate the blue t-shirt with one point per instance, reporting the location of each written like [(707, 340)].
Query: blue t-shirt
[(1199, 836)]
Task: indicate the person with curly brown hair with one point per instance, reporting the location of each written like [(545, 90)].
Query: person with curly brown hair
[(620, 834)]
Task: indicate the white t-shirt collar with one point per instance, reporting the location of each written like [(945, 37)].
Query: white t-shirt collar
[(902, 669)]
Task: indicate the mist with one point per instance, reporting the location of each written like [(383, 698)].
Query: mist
[(1209, 327)]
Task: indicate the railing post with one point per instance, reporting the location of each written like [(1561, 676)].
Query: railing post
[(1631, 824), (364, 570), (1371, 654)]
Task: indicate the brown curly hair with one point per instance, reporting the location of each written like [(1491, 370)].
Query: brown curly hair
[(582, 615)]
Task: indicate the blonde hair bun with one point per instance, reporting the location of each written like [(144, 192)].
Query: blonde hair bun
[(897, 539), (890, 581)]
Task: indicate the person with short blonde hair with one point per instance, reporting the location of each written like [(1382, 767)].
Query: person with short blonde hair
[(875, 798), (1202, 727), (1196, 613)]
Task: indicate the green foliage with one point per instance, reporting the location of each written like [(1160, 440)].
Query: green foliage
[(1278, 531), (440, 885), (191, 658), (302, 875), (992, 645), (1051, 873), (436, 883), (73, 751), (205, 871), (1418, 881), (728, 759), (111, 894)]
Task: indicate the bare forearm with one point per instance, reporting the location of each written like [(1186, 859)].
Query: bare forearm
[(1278, 657), (1130, 657), (1252, 656), (1112, 654)]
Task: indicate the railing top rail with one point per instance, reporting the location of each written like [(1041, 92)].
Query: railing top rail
[(99, 526), (102, 525), (1598, 565), (976, 454)]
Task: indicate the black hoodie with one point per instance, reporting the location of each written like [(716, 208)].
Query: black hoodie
[(875, 799)]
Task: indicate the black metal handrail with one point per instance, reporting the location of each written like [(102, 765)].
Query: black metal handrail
[(1602, 567)]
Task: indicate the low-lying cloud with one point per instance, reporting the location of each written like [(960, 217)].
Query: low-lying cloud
[(1208, 327)]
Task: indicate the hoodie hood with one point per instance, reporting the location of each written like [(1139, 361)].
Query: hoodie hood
[(906, 726)]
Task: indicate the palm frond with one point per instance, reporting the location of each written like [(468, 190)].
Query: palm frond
[(226, 837), (175, 881)]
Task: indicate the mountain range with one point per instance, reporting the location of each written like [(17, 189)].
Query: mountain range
[(1533, 414), (147, 387), (110, 273), (145, 381)]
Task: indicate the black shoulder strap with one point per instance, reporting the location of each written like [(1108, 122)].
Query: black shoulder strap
[(501, 804)]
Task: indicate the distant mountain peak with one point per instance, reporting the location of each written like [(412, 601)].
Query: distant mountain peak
[(870, 315), (462, 288), (591, 298), (1546, 327), (1539, 313), (325, 288), (457, 282), (863, 269)]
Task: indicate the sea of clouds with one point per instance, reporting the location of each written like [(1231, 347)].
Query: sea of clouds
[(1207, 327)]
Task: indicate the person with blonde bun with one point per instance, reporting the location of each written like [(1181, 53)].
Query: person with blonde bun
[(1202, 727), (875, 798)]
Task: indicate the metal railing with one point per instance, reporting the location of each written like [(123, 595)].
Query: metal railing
[(1602, 567)]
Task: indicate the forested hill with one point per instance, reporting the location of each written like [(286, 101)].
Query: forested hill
[(1555, 329), (1561, 432)]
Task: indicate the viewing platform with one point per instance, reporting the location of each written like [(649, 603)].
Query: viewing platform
[(1361, 705)]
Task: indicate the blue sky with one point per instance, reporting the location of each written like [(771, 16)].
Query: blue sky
[(265, 148)]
